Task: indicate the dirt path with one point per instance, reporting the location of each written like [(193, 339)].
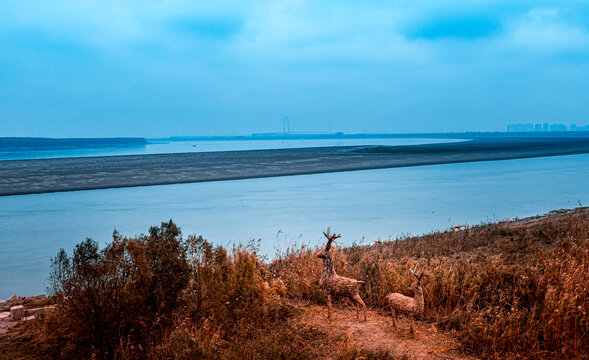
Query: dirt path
[(378, 333)]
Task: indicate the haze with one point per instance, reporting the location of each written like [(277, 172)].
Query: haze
[(159, 68)]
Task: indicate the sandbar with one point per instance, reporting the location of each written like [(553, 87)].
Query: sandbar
[(20, 177)]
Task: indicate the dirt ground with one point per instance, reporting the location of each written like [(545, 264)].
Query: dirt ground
[(378, 333)]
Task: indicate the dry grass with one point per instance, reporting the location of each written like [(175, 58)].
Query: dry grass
[(377, 335), (507, 290), (515, 289)]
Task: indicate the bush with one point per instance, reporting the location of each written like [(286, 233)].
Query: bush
[(159, 296), (124, 293), (230, 290)]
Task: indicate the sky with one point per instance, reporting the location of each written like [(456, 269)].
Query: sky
[(178, 68)]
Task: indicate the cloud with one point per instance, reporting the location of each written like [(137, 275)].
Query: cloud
[(184, 63), (114, 25), (306, 33), (220, 28), (545, 30), (297, 31), (466, 27)]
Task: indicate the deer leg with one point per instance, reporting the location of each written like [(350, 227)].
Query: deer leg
[(359, 303), (364, 308), (394, 316), (329, 306)]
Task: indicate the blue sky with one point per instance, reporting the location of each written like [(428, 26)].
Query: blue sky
[(163, 68)]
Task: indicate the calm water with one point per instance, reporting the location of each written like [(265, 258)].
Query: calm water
[(361, 205), (155, 147)]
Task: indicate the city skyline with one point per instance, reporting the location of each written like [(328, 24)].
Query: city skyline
[(545, 127)]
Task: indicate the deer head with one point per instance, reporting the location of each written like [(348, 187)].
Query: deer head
[(330, 238), (418, 274)]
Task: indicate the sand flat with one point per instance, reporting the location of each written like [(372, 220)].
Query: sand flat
[(18, 177)]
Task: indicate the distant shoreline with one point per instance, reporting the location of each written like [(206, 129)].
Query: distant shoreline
[(20, 177), (344, 136), (42, 144)]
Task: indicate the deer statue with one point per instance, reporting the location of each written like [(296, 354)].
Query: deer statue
[(333, 284), (406, 304)]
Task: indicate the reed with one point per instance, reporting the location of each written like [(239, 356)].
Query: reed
[(506, 290), (514, 289)]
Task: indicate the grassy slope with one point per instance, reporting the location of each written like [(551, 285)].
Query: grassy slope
[(505, 290)]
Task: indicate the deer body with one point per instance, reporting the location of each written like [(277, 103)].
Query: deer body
[(407, 304), (334, 285)]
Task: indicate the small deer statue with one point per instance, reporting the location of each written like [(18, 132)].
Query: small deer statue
[(406, 304), (333, 284)]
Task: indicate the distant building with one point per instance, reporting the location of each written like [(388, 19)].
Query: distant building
[(520, 127), (558, 127), (545, 127)]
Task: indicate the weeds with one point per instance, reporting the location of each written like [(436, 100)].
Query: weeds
[(515, 289)]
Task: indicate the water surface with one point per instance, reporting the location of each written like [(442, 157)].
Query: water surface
[(170, 147), (362, 205)]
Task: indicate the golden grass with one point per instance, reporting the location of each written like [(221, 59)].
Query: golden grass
[(516, 289), (506, 290)]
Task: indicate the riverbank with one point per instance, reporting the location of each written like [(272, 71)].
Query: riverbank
[(13, 144), (509, 289), (69, 174)]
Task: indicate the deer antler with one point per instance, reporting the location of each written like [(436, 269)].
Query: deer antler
[(330, 238), (417, 274)]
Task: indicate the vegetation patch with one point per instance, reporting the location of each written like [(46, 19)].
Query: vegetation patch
[(507, 289), (513, 289)]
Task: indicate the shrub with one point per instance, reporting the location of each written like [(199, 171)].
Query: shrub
[(159, 296), (230, 289), (124, 293)]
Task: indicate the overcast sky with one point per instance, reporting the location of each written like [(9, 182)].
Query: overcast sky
[(162, 68)]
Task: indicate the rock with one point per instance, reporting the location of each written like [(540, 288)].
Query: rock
[(33, 298), (4, 304), (40, 310), (16, 300), (17, 312), (6, 323)]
